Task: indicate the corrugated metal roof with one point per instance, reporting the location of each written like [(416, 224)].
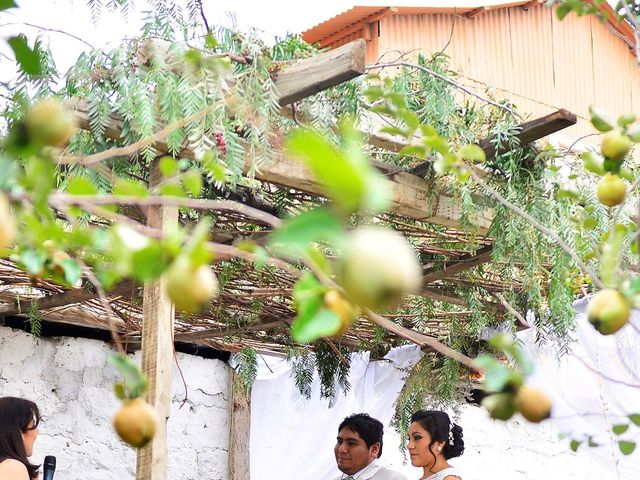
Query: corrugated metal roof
[(347, 22)]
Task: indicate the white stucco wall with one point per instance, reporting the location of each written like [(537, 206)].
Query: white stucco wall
[(72, 383)]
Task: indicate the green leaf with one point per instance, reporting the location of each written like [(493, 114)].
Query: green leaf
[(7, 4), (168, 166), (611, 255), (192, 182), (625, 120), (298, 233), (438, 143), (322, 323), (634, 133), (497, 375), (373, 93), (81, 186), (210, 41), (413, 150), (131, 188), (33, 261), (601, 119), (563, 10), (593, 163), (341, 181), (620, 429), (135, 382), (27, 58), (71, 270), (626, 447), (119, 390), (148, 263), (172, 189), (409, 118), (394, 131), (472, 152), (574, 445), (635, 419)]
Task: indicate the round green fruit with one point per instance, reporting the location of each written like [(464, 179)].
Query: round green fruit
[(532, 404), (499, 405), (49, 123), (615, 145), (611, 190), (377, 267), (191, 288), (135, 422), (608, 311)]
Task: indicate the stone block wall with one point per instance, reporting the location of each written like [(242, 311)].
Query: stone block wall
[(72, 383)]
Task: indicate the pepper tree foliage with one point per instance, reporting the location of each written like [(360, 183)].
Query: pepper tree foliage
[(183, 72)]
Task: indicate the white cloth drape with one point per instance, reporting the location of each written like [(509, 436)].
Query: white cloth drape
[(585, 403), (293, 438), (307, 429)]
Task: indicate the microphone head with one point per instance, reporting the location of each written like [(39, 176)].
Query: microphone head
[(50, 462)]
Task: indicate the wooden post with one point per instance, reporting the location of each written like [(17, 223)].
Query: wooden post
[(239, 438), (157, 350)]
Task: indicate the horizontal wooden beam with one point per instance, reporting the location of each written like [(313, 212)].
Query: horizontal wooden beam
[(527, 132), (68, 297), (483, 255), (315, 74)]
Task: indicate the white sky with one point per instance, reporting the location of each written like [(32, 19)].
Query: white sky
[(274, 18)]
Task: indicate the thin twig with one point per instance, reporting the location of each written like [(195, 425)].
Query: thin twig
[(54, 30), (609, 379), (447, 80), (164, 200), (140, 144), (512, 310), (543, 229)]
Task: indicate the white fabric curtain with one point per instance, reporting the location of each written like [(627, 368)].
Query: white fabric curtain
[(585, 403), (293, 438), (309, 427)]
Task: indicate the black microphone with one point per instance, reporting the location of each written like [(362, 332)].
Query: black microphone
[(49, 467)]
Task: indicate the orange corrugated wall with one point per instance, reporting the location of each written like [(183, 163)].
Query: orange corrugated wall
[(530, 57)]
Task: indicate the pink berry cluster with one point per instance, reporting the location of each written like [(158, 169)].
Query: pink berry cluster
[(221, 145)]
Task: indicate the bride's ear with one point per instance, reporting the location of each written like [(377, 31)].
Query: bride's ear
[(439, 446)]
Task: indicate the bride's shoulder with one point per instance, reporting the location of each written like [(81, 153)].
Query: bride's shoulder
[(11, 468)]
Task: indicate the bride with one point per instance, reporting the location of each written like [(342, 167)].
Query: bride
[(433, 440)]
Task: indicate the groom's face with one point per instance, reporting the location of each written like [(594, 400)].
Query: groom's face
[(352, 453)]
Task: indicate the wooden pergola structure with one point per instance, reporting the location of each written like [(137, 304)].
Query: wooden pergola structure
[(154, 326)]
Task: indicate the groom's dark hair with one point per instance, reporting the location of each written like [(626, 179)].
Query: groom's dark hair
[(367, 427)]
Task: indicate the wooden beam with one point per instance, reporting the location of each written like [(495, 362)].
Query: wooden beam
[(240, 428), (312, 75), (411, 194), (528, 132), (340, 34), (68, 297), (157, 348), (483, 255)]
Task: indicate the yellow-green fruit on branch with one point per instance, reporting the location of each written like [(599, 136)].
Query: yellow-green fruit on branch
[(499, 405), (532, 404), (615, 145), (609, 311), (377, 267), (50, 123), (7, 224), (191, 288), (611, 190), (343, 308), (135, 422)]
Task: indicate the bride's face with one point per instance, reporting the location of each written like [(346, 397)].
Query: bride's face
[(423, 453)]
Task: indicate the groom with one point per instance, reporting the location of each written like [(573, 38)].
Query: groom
[(358, 448)]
